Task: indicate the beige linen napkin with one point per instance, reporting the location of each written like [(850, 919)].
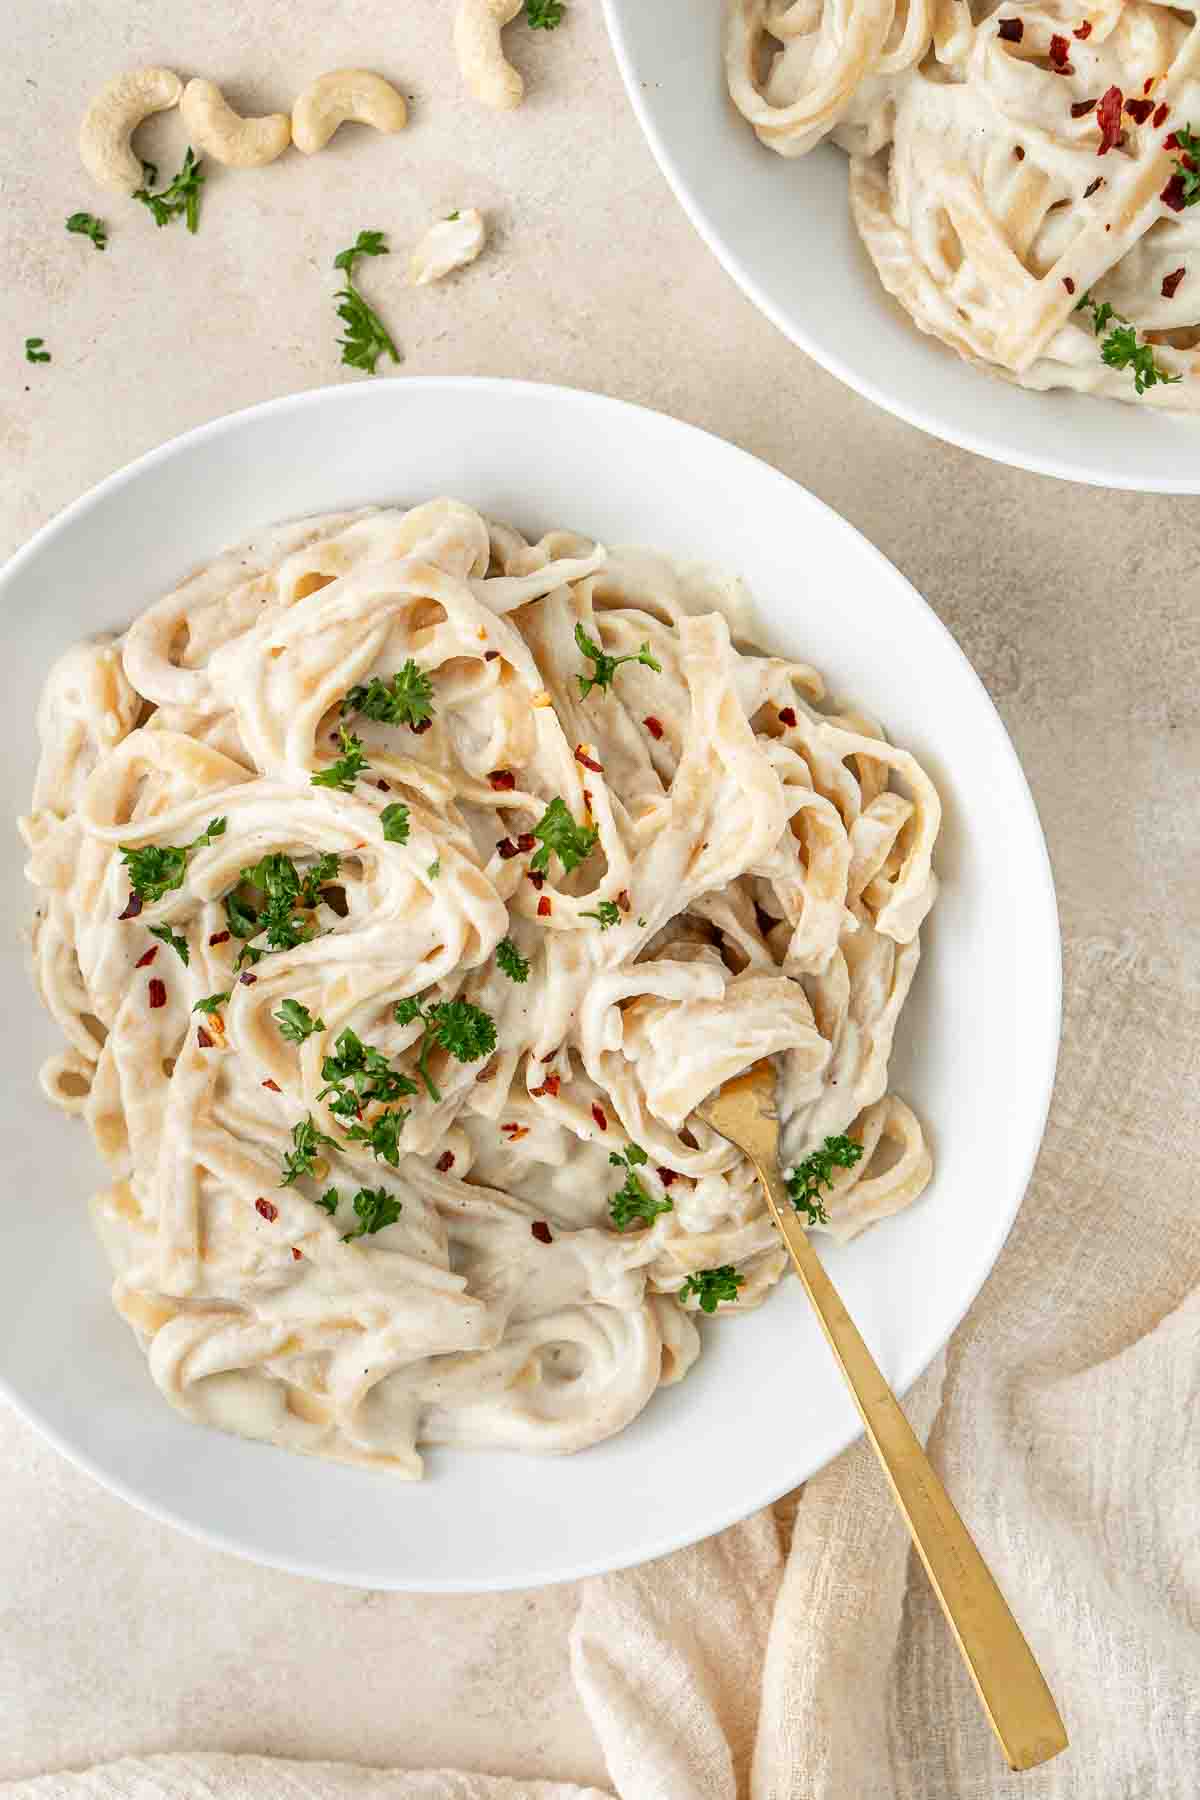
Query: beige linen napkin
[(800, 1654)]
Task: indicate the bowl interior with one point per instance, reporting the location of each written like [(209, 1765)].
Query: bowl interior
[(783, 230), (764, 1408)]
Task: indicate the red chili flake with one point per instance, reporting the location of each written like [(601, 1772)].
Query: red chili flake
[(202, 1038), (490, 655), (667, 1176), (1139, 110), (503, 781), (1108, 117), (506, 847), (133, 907), (143, 962), (550, 1086), (421, 726), (1011, 30), (445, 1162), (158, 992), (297, 1255), (526, 842), (1170, 142), (267, 1208), (543, 907), (1084, 30), (623, 900), (515, 1132), (587, 798), (787, 715), (588, 762), (1092, 186), (1081, 108), (541, 1231), (538, 880), (600, 1116), (273, 1085), (1160, 114), (1173, 194), (247, 979), (1172, 281), (219, 937), (1018, 153), (1147, 84), (1068, 284), (1060, 49), (653, 726), (385, 787)]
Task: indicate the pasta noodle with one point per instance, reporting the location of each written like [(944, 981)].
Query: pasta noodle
[(751, 876), (1013, 171)]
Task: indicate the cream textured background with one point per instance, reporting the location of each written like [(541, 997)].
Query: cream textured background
[(1077, 607)]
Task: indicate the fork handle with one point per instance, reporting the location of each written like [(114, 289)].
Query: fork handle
[(1019, 1705)]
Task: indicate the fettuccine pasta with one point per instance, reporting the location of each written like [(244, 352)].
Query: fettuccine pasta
[(392, 964), (1022, 176)]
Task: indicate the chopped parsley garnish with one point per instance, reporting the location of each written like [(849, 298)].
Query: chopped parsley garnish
[(434, 869), (463, 1030), (156, 869), (608, 913), (632, 1201), (349, 766), (366, 338), (382, 1134), (288, 895), (406, 700), (87, 225), (607, 666), (211, 1003), (35, 350), (357, 1074), (295, 1022), (562, 837), (328, 1201), (1120, 349), (302, 1158), (807, 1179), (1187, 169), (181, 195), (166, 936), (543, 15), (374, 1208), (510, 960), (394, 820), (710, 1286)]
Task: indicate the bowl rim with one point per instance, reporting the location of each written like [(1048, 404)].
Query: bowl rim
[(1043, 1051), (923, 418)]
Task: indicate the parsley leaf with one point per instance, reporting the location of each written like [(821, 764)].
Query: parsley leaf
[(295, 1021), (181, 195), (510, 960), (357, 1074), (328, 1201), (302, 1158), (543, 15), (366, 338), (211, 1003), (1120, 349), (806, 1180), (35, 350), (607, 666), (374, 1208), (1187, 169), (434, 869), (711, 1286), (288, 895), (349, 766), (608, 913), (406, 700), (87, 225), (394, 820), (166, 936), (156, 869), (562, 836), (632, 1201), (382, 1134), (463, 1030)]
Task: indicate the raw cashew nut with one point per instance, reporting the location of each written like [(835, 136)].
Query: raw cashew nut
[(344, 94), (214, 128), (113, 117), (490, 77), (449, 244)]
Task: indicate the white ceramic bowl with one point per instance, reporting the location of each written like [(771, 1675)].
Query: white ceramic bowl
[(764, 1407), (783, 230)]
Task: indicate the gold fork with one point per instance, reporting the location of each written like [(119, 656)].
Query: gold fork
[(1019, 1706)]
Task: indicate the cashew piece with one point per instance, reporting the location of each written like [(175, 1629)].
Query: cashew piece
[(448, 244), (344, 94), (490, 77), (214, 128), (112, 118)]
